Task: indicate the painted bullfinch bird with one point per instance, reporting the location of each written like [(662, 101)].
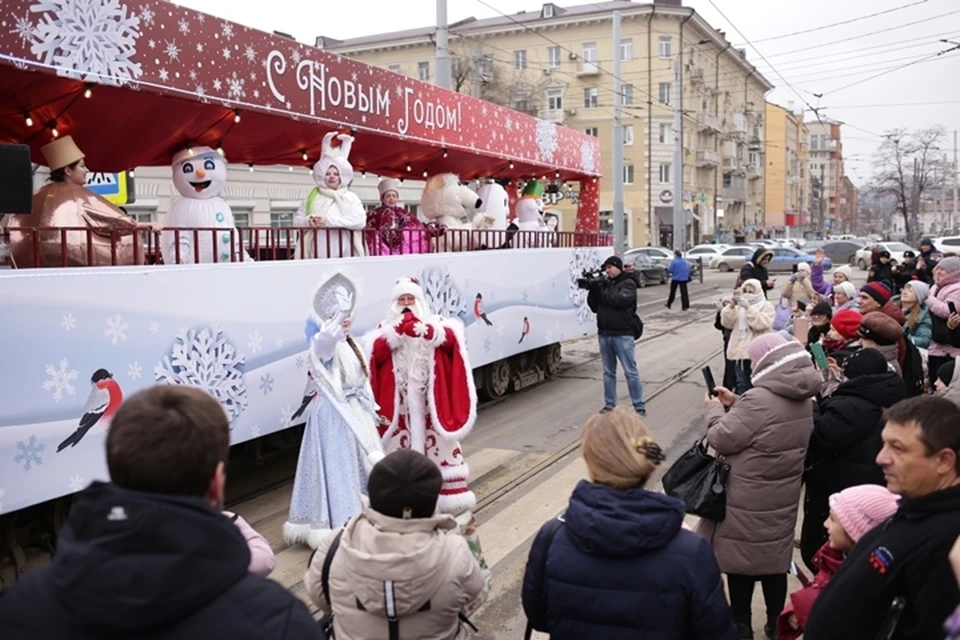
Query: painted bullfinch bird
[(478, 311), (104, 400)]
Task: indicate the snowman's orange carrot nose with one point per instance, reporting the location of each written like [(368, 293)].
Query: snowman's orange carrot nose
[(201, 173)]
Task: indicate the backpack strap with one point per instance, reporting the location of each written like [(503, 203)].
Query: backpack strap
[(325, 572), (552, 529)]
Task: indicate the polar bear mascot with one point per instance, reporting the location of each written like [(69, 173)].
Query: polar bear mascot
[(447, 202), (495, 206)]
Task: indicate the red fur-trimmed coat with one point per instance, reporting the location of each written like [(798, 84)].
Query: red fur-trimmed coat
[(435, 422)]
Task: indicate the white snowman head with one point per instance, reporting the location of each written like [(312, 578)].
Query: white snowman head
[(199, 173)]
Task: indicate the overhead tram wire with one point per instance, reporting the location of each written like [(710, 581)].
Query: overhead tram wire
[(842, 22), (929, 58)]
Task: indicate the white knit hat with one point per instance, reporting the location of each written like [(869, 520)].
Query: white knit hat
[(847, 289), (388, 184), (845, 270)]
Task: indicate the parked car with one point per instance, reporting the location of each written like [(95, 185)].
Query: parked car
[(947, 244), (733, 258), (705, 251), (644, 269), (787, 258), (865, 255), (659, 255), (839, 251)]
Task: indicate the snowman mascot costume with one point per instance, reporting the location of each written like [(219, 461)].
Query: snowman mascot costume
[(530, 208), (199, 175)]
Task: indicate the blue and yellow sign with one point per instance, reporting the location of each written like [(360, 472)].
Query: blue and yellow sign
[(115, 187)]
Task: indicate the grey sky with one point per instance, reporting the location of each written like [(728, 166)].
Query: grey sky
[(809, 61)]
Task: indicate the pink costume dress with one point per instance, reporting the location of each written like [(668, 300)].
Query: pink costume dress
[(396, 231)]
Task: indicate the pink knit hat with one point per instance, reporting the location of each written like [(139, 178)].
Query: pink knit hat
[(860, 509), (764, 344)]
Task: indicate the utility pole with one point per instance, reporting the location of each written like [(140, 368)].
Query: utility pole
[(953, 218), (679, 216), (443, 51), (823, 196), (618, 206)]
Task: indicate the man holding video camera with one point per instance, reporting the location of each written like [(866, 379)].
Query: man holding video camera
[(613, 297)]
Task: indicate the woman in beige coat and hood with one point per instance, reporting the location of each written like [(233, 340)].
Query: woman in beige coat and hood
[(763, 434), (399, 557)]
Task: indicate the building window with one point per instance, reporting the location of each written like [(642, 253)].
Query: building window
[(664, 136), (664, 96), (553, 57), (521, 105), (626, 93), (520, 60), (626, 49), (592, 131), (548, 10), (282, 219), (423, 71), (628, 174), (665, 172), (628, 134), (591, 98), (555, 100), (395, 68), (590, 52), (241, 219), (666, 46)]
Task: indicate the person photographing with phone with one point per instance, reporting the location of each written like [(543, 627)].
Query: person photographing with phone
[(748, 314)]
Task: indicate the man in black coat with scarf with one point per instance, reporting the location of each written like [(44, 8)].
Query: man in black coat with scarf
[(756, 269)]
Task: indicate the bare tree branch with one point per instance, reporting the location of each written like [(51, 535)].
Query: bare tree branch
[(907, 164)]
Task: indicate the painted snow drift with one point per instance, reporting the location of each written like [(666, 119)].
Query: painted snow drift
[(235, 330)]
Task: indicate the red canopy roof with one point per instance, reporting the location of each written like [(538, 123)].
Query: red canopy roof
[(163, 76)]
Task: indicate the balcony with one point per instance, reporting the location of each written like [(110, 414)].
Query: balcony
[(753, 170), (552, 115), (734, 194), (731, 163), (709, 123), (707, 158), (588, 68)]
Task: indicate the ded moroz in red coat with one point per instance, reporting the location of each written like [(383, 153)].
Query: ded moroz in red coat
[(435, 405)]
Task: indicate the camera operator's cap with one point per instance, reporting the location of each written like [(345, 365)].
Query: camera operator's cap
[(613, 260), (405, 485)]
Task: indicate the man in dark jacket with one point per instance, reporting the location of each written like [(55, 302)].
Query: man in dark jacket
[(151, 555), (929, 257), (881, 270), (614, 300), (846, 440), (905, 271), (904, 558), (756, 269)]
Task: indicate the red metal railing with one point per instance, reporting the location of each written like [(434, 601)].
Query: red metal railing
[(83, 246)]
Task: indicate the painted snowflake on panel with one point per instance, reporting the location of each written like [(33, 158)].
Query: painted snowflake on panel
[(94, 40), (3, 492), (60, 380), (587, 160), (207, 360), (441, 293), (28, 453), (583, 259), (546, 139)]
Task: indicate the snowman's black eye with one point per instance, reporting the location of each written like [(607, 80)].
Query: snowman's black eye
[(208, 165), (187, 167)]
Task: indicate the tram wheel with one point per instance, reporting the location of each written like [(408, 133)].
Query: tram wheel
[(552, 360), (496, 379)]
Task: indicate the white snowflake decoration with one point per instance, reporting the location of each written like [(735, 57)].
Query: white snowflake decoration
[(235, 88), (255, 342), (546, 139), (29, 453), (76, 483), (296, 56), (116, 329), (60, 380), (587, 160), (134, 370), (172, 51), (184, 26), (250, 53), (23, 29), (227, 31), (583, 259), (441, 293), (255, 431), (154, 327), (93, 40), (286, 411), (3, 492), (207, 360), (68, 322), (146, 15)]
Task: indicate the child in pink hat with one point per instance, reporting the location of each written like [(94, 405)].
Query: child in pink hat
[(853, 513)]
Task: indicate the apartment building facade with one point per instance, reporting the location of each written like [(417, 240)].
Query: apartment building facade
[(785, 193), (556, 63), (826, 175)]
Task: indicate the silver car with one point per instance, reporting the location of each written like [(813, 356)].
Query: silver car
[(733, 258)]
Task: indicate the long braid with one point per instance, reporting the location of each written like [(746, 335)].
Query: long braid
[(359, 354)]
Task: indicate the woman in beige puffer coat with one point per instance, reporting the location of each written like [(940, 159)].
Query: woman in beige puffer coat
[(748, 314), (398, 546), (763, 435)]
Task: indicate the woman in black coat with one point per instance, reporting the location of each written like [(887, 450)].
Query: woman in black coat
[(756, 269), (846, 440)]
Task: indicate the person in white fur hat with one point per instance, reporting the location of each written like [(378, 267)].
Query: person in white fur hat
[(392, 230), (334, 213), (423, 383)]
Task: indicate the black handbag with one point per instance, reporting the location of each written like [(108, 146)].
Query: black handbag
[(700, 481)]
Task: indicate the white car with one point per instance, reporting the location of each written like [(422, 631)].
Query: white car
[(864, 256), (705, 251), (947, 244), (660, 255)]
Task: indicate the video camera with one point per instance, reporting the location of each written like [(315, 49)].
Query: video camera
[(589, 278)]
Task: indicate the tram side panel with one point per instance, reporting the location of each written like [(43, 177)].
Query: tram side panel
[(236, 331)]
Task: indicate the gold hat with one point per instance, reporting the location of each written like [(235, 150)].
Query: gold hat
[(61, 153)]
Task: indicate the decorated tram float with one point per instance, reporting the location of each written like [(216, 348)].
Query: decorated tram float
[(95, 306)]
